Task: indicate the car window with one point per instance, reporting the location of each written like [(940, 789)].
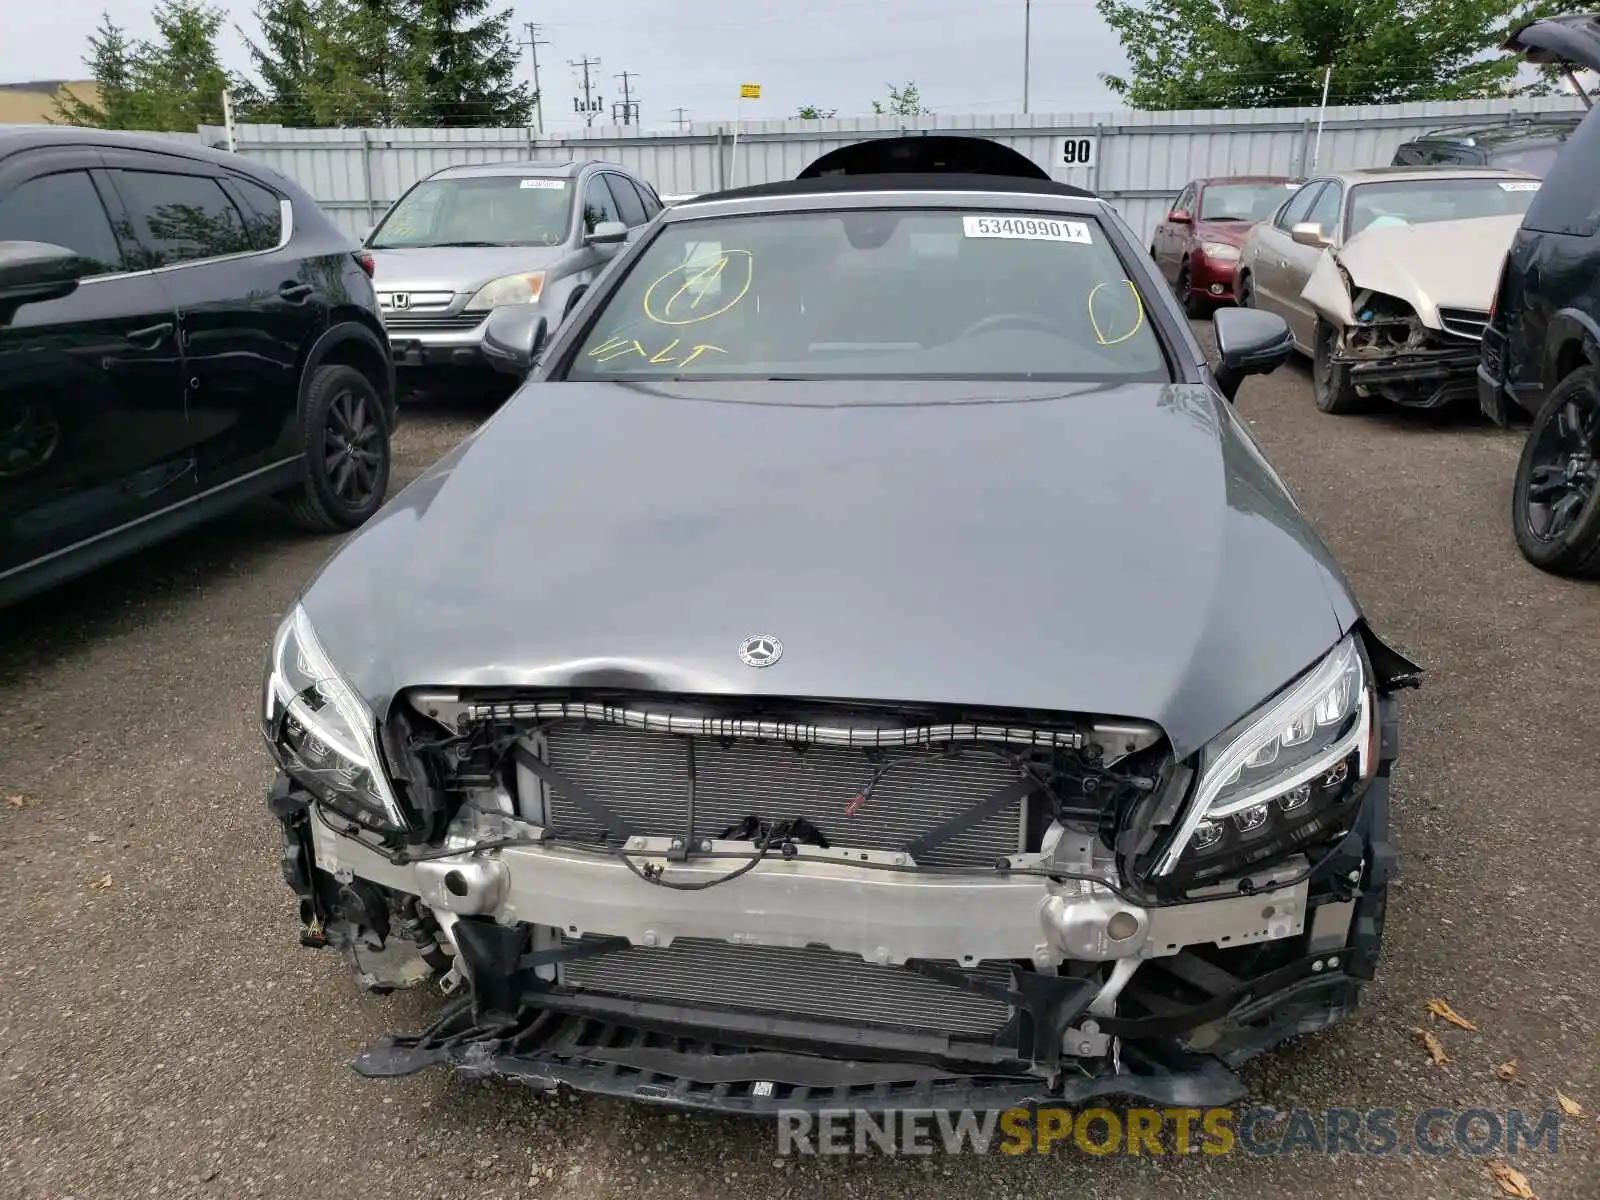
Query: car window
[(1292, 213), (178, 218), (648, 197), (65, 210), (1242, 201), (598, 206), (1536, 160), (263, 214), (1185, 200), (484, 210), (1325, 208), (1407, 155), (1420, 201), (876, 294), (627, 200)]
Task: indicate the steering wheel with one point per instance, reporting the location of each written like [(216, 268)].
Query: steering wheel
[(1011, 321)]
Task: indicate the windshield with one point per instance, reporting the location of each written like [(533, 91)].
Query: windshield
[(875, 294), (1242, 201), (1419, 201), (494, 210)]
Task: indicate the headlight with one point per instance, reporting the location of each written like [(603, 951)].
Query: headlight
[(321, 731), (1220, 251), (1284, 776), (508, 289)]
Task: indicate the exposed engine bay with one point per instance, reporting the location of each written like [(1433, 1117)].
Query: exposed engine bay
[(1388, 349), (936, 892)]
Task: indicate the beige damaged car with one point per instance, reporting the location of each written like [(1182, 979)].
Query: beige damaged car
[(1386, 276)]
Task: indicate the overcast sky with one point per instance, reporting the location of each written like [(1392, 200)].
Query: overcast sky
[(965, 55)]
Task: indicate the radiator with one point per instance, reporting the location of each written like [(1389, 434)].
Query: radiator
[(811, 982), (644, 779)]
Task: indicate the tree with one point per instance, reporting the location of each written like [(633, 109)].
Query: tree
[(179, 75), (172, 83), (1272, 53), (110, 63), (384, 45), (468, 76), (815, 112), (905, 101), (301, 62)]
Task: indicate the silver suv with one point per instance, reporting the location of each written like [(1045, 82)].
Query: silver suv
[(468, 239)]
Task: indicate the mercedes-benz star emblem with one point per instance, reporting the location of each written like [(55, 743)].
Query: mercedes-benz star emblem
[(760, 651)]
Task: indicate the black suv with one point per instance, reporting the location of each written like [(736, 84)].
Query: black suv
[(181, 331), (1527, 145), (1541, 349)]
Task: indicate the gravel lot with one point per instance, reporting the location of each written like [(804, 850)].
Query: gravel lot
[(162, 1033)]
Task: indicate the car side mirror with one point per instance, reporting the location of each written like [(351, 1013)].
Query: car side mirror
[(513, 337), (1249, 342), (1179, 216), (607, 233), (1309, 233), (31, 272)]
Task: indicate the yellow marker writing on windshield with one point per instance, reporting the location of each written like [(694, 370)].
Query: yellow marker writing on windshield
[(667, 305), (1099, 334)]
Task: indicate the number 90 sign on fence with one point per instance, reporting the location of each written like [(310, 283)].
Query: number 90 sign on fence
[(1075, 157)]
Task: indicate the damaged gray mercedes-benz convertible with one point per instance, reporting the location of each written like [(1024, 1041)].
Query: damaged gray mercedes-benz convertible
[(868, 665)]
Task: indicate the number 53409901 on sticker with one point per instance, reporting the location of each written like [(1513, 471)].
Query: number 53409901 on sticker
[(1038, 229)]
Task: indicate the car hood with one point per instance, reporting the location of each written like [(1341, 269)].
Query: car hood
[(1449, 264), (1122, 551), (455, 268)]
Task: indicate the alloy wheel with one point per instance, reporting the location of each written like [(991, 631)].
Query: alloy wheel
[(351, 444), (1565, 466)]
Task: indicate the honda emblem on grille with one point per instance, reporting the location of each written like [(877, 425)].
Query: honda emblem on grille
[(400, 300), (760, 651)]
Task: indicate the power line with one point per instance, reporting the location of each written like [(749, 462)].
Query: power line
[(591, 103), (628, 110), (533, 43)]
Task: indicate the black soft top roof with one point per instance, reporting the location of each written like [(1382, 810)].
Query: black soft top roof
[(925, 154), (894, 183)]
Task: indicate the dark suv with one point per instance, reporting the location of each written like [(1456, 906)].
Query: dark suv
[(1528, 145), (1541, 349), (181, 331)]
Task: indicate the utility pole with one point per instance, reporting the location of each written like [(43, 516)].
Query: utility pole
[(681, 118), (629, 106), (1027, 49), (591, 103), (533, 43)]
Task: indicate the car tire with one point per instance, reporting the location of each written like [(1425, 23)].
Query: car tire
[(1245, 293), (1555, 504), (1193, 307), (348, 455), (1330, 381)]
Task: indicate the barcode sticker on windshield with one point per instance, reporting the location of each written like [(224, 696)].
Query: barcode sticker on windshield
[(1519, 185), (553, 185), (1035, 229)]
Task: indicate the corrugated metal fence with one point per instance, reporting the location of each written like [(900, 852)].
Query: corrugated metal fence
[(1137, 160)]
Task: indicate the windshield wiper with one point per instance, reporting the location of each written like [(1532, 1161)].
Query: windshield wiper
[(428, 245)]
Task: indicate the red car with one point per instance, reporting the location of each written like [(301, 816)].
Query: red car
[(1197, 246)]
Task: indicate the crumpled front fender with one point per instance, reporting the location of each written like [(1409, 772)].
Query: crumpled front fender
[(1327, 291)]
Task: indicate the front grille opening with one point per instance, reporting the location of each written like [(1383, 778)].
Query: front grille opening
[(812, 982), (644, 780)]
